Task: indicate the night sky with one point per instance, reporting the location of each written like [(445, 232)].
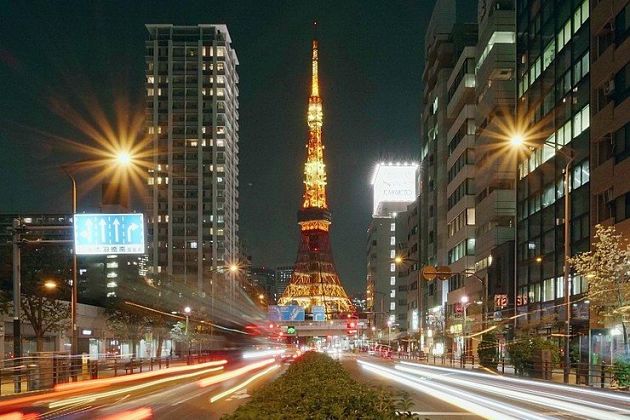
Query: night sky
[(371, 62)]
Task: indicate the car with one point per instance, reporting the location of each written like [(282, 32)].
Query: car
[(290, 354)]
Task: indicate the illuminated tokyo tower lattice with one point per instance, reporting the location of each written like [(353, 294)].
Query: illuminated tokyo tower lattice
[(315, 281)]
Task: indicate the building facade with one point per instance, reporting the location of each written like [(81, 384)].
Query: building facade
[(553, 94), (192, 115), (446, 180)]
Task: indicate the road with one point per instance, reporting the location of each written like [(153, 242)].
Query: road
[(439, 392), (204, 391)]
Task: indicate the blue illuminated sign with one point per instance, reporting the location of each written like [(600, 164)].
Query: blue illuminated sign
[(286, 313), (100, 234), (319, 313)]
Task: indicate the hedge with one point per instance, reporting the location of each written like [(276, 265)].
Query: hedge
[(317, 387)]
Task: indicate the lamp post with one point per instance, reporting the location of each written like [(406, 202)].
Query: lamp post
[(389, 333), (569, 155), (465, 303), (122, 158), (187, 312)]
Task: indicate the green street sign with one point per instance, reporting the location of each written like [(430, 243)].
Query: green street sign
[(291, 330)]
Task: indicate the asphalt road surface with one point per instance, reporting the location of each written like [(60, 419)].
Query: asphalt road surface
[(439, 392), (196, 392)]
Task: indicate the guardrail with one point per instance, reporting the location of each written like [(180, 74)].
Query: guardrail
[(38, 373)]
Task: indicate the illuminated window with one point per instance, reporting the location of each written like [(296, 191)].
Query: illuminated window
[(150, 92), (220, 51), (581, 121), (220, 142), (392, 254), (392, 240), (470, 216), (499, 37), (151, 181), (112, 264), (150, 79), (221, 79), (549, 54), (220, 130), (392, 227), (392, 281), (221, 92), (392, 306), (392, 293), (392, 267), (112, 275), (193, 244)]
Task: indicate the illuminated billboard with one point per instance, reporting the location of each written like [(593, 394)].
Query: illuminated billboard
[(394, 183), (103, 234)]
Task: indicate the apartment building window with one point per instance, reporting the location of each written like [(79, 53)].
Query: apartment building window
[(580, 15), (392, 253), (392, 240), (465, 188), (392, 268), (392, 281), (621, 139), (392, 306), (581, 121), (548, 290), (392, 293)]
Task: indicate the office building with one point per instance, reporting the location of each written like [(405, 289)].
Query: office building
[(283, 277), (553, 94), (192, 116)]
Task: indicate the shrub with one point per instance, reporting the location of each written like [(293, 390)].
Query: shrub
[(317, 387), (488, 351), (621, 370), (523, 353)]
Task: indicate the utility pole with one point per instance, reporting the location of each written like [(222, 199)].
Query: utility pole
[(17, 286)]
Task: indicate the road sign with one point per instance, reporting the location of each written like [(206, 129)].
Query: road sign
[(291, 330), (429, 272), (285, 313), (100, 234), (443, 272), (319, 313)]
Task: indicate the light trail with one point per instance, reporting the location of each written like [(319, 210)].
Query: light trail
[(262, 353), (522, 381), (243, 384), (17, 415), (93, 397), (104, 382), (470, 402), (137, 414), (568, 404), (234, 373)]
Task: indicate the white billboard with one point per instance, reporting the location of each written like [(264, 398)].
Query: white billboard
[(394, 183)]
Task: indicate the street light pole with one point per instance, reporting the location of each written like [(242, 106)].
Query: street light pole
[(74, 289)]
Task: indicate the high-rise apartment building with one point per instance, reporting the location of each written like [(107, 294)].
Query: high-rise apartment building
[(446, 183), (553, 105), (192, 115), (495, 174), (394, 187)]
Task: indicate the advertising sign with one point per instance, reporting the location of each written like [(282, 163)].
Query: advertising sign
[(500, 301), (319, 313), (394, 183), (286, 313), (101, 234)]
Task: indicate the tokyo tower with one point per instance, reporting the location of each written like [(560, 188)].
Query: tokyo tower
[(315, 281)]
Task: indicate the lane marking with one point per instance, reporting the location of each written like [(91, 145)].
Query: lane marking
[(243, 384)]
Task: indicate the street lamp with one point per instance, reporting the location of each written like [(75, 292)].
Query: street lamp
[(122, 159), (187, 312), (50, 285), (517, 140)]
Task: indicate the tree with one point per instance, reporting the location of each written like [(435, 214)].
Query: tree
[(607, 268), (128, 325), (42, 307), (179, 333)]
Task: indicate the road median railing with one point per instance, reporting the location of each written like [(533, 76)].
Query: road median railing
[(45, 371)]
